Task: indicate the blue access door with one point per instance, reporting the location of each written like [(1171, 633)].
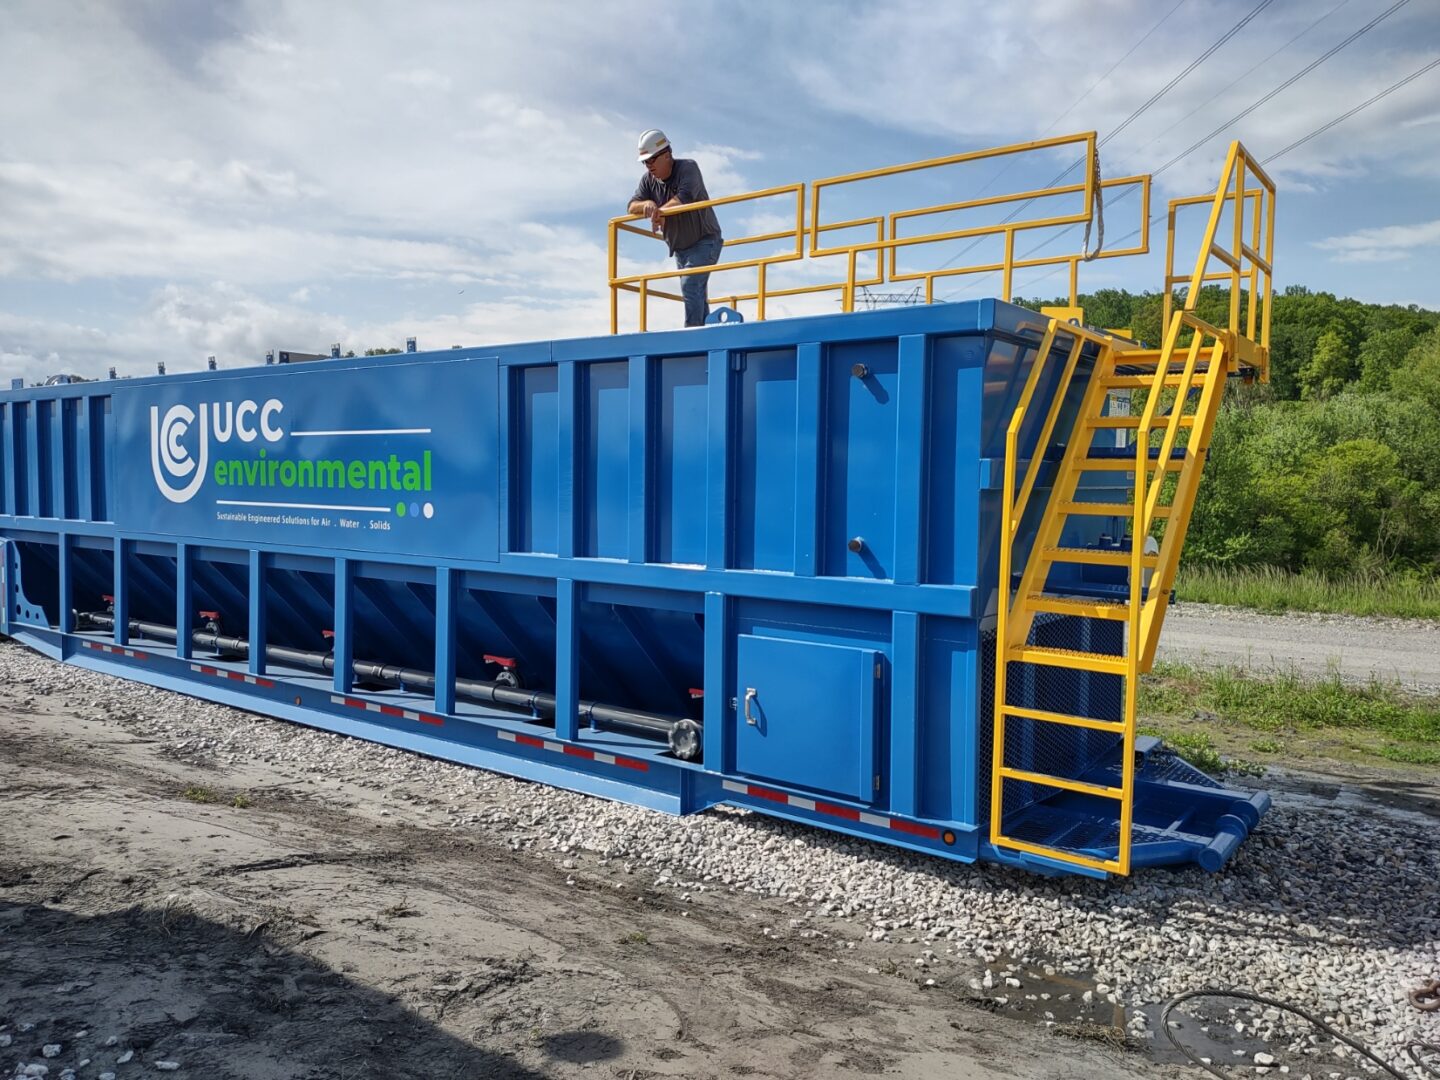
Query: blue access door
[(806, 714)]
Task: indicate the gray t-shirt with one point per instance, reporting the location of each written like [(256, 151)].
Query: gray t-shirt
[(681, 230)]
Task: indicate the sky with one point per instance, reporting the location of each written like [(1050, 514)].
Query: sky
[(181, 180)]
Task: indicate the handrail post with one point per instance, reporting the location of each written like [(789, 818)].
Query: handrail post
[(1239, 243), (1008, 272), (614, 264)]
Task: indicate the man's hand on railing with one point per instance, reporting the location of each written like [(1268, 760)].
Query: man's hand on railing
[(646, 208)]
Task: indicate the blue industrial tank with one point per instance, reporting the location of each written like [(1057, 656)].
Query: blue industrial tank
[(749, 563)]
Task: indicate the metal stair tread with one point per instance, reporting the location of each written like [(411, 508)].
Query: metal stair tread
[(1142, 382), (1125, 423), (1077, 659), (1107, 453), (1096, 556), (1105, 509), (1084, 607)]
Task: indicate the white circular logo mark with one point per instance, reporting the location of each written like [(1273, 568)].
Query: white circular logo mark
[(170, 459)]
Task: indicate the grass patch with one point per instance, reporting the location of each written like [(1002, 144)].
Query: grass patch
[(199, 795), (241, 802), (1377, 719), (1196, 747), (1199, 749), (1267, 588)]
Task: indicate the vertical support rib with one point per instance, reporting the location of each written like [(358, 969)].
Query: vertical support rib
[(120, 590), (640, 451), (33, 498), (258, 631), (718, 691), (60, 465), (184, 600), (717, 463), (904, 783), (344, 628), (65, 553), (567, 434), (567, 661), (444, 639), (809, 395), (910, 440)]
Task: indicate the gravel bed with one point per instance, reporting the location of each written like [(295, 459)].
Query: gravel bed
[(1334, 910)]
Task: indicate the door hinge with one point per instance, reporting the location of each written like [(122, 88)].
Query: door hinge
[(877, 781), (877, 669)]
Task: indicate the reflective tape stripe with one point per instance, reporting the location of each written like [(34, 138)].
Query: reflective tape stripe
[(573, 751), (849, 813), (118, 650), (388, 710), (234, 676)]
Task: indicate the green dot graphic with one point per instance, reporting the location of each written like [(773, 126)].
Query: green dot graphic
[(400, 509)]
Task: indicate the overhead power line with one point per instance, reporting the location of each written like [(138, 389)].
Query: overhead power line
[(1244, 21), (1284, 85), (1347, 115), (1189, 68), (1240, 116), (1111, 70), (1241, 78), (1435, 63), (1010, 162)]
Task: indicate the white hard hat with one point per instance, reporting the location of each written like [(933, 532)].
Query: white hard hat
[(652, 142)]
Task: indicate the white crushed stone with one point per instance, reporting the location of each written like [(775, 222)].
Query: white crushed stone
[(1335, 910)]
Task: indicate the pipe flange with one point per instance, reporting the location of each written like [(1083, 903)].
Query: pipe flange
[(685, 740)]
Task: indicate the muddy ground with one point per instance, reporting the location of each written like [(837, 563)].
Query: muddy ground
[(326, 931)]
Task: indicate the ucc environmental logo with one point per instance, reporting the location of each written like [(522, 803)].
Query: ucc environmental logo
[(180, 454)]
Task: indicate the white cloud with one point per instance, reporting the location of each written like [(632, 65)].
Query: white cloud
[(1386, 243), (450, 168)]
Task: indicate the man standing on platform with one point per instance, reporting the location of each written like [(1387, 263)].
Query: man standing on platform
[(693, 237)]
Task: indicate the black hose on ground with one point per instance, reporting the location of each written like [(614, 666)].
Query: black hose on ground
[(1413, 1050)]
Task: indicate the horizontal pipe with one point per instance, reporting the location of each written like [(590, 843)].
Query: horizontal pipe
[(491, 693)]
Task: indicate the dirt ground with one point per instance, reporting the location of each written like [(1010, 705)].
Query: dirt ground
[(325, 932)]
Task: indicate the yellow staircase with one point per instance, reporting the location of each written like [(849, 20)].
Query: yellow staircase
[(1162, 453)]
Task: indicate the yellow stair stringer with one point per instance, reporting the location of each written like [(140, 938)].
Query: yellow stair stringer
[(1015, 620), (1143, 616), (1067, 477), (1145, 607), (1212, 391)]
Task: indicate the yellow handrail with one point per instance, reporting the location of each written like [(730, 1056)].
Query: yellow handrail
[(1248, 271), (886, 237)]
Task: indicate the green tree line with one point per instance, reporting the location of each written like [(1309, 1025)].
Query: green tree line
[(1335, 465)]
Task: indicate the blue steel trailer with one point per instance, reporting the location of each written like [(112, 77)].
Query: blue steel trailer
[(756, 564)]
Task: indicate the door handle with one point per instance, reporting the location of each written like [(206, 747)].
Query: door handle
[(750, 695)]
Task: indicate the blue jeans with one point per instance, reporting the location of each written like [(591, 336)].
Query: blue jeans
[(704, 252)]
